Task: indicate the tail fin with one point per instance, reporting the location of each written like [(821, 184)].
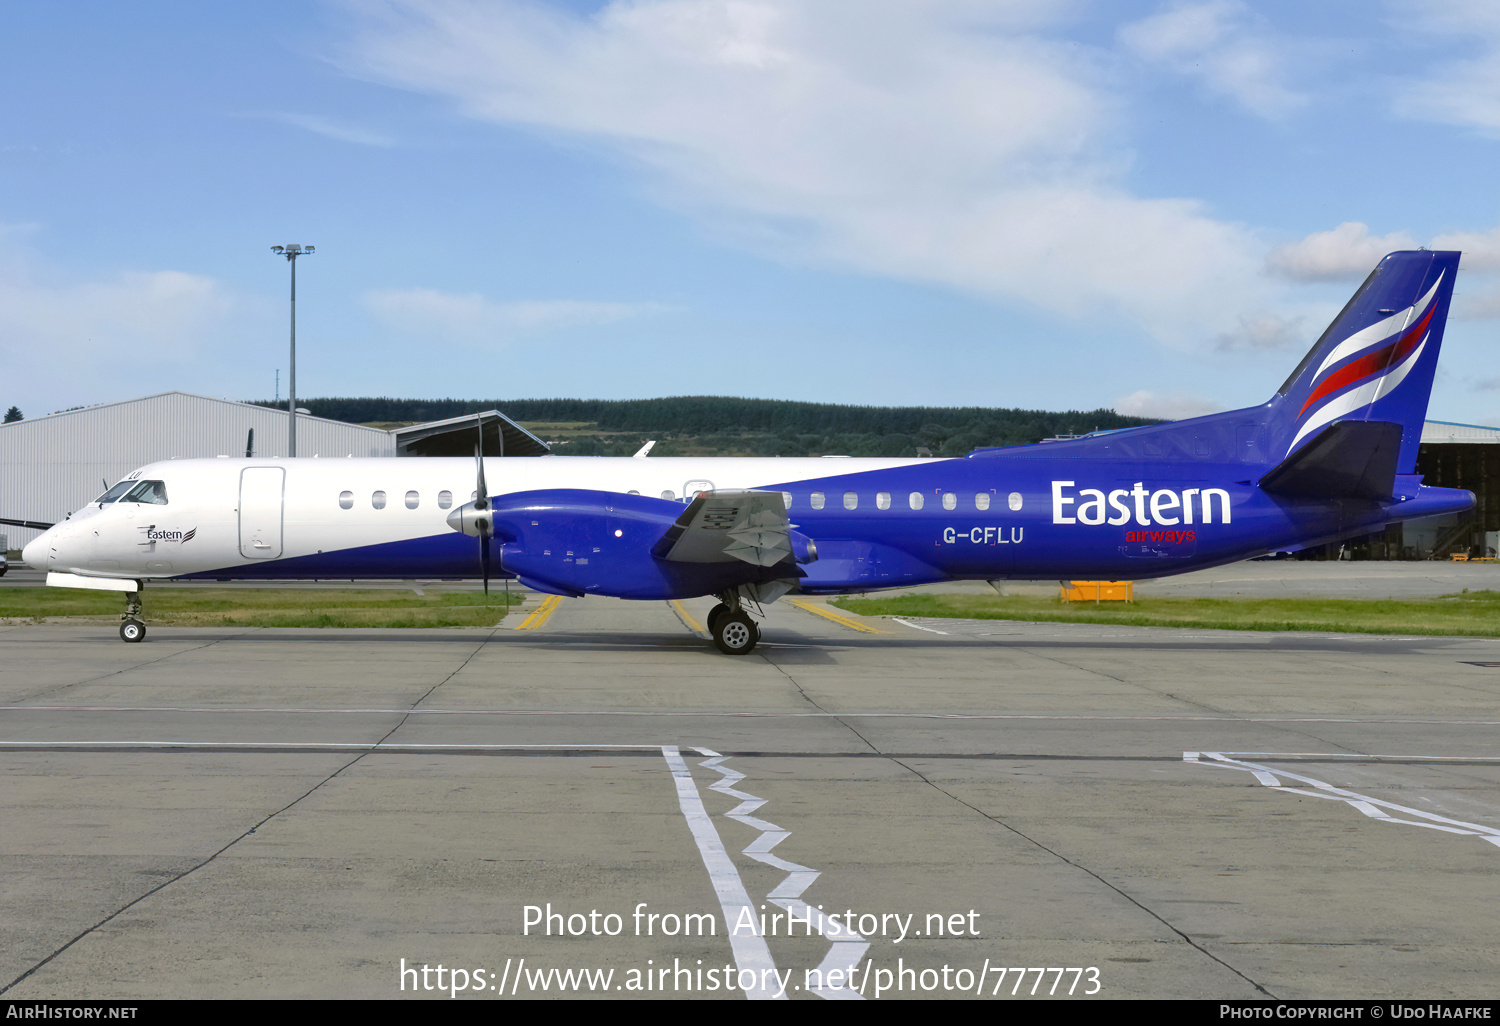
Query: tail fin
[(1376, 361)]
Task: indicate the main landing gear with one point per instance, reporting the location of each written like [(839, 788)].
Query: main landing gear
[(131, 627), (733, 631)]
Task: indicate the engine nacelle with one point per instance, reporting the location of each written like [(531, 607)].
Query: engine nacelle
[(577, 542)]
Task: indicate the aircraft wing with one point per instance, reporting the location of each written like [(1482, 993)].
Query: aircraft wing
[(721, 527)]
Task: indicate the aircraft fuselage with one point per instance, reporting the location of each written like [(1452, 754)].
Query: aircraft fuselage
[(876, 523)]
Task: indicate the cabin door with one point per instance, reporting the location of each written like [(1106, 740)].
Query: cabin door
[(261, 490)]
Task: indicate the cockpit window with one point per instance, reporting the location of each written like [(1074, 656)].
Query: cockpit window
[(154, 492), (115, 492)]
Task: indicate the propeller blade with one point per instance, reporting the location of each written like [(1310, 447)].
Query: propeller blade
[(484, 493), (36, 524), (484, 553), (482, 504)]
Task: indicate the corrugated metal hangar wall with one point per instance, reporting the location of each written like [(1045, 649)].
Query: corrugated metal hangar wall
[(53, 465)]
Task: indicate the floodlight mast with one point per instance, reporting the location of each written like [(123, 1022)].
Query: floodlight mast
[(292, 251)]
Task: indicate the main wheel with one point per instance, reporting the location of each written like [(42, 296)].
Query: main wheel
[(132, 630), (714, 614), (735, 634)]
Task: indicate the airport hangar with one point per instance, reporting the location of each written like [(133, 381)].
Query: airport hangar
[(52, 465)]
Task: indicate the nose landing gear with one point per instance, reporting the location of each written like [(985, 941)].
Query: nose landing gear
[(131, 627)]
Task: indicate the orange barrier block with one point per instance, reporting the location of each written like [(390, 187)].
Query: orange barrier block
[(1098, 591)]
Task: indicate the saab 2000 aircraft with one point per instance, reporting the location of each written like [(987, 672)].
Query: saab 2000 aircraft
[(1331, 455)]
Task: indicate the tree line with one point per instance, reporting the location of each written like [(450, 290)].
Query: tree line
[(720, 425)]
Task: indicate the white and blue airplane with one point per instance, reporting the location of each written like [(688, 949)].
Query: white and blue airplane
[(1332, 455)]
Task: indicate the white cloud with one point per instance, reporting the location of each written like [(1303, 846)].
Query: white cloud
[(472, 319), (1457, 92), (1346, 252), (328, 127), (1476, 304), (155, 314), (1217, 43), (1165, 405), (949, 141), (66, 340), (1481, 250), (1266, 331)]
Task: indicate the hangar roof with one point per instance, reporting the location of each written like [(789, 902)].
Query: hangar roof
[(456, 436), (1448, 433)]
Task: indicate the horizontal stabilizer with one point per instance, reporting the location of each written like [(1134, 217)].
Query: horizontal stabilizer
[(1349, 459)]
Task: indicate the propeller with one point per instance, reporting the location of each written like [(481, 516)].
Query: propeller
[(482, 506), (34, 524), (477, 518)]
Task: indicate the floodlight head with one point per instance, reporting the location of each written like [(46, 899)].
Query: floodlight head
[(278, 250)]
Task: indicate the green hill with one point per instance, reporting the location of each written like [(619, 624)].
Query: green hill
[(724, 426)]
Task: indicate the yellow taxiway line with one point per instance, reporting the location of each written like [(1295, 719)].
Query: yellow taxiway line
[(838, 618), (687, 618), (540, 614)]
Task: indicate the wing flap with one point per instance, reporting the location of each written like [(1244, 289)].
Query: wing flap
[(721, 527)]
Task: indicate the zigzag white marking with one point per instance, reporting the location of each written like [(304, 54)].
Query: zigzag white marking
[(1375, 808), (849, 947)]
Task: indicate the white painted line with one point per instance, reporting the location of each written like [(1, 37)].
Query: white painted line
[(332, 746), (750, 952), (1375, 808), (847, 947), (1363, 758), (918, 626)]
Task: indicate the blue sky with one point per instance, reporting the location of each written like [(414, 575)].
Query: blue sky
[(1154, 207)]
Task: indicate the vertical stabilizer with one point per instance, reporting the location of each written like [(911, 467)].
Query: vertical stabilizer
[(1376, 360)]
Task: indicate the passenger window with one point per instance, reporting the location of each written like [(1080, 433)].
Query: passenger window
[(1014, 502), (982, 500), (851, 500), (153, 492), (413, 500), (786, 499), (817, 500), (915, 499), (445, 499), (882, 500), (378, 500), (346, 500), (669, 495), (950, 500)]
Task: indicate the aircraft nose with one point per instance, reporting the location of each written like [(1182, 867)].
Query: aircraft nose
[(37, 551)]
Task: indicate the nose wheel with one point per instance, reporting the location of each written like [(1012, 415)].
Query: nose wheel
[(131, 627)]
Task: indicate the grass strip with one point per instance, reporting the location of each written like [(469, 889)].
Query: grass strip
[(1469, 613), (270, 607)]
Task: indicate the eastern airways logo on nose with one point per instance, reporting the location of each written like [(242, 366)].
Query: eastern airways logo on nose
[(181, 537), (1149, 507)]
